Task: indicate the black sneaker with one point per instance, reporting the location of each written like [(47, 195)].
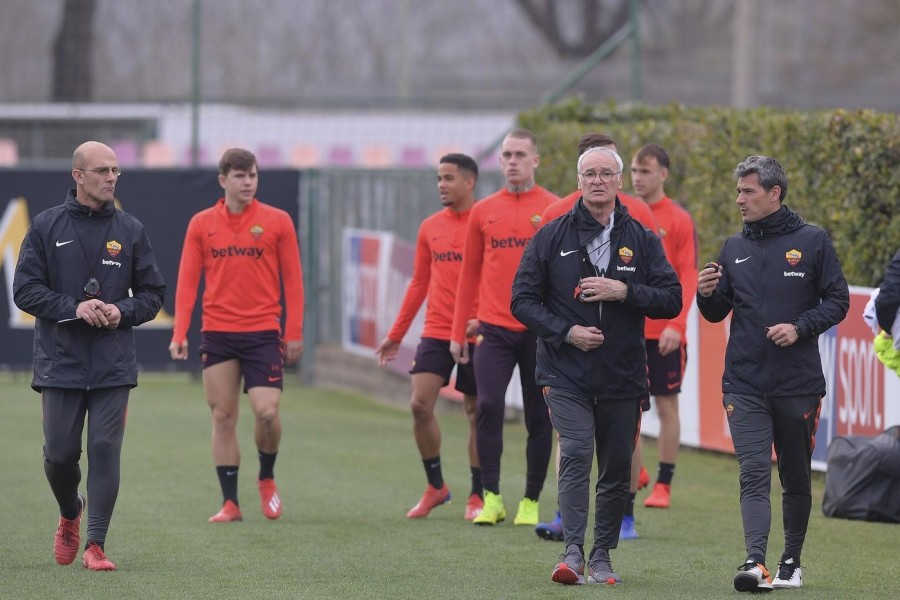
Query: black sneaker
[(753, 577), (789, 575)]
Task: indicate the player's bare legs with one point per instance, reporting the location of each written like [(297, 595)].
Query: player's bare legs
[(669, 428), (264, 402), (222, 382), (425, 390)]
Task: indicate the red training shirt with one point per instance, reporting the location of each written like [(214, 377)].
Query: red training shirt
[(244, 259), (499, 228), (679, 239), (436, 267)]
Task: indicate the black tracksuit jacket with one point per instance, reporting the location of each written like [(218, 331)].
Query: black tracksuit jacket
[(65, 247), (777, 270), (544, 299)]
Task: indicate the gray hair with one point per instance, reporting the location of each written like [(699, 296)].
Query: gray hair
[(604, 150), (768, 170)]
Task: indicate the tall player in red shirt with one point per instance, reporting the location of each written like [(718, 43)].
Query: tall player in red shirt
[(666, 339), (245, 250), (500, 227), (439, 254)]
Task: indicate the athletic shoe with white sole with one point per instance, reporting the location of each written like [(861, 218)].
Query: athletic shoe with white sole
[(570, 568), (600, 569), (789, 575), (753, 577)]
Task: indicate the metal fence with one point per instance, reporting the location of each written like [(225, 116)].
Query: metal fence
[(334, 199)]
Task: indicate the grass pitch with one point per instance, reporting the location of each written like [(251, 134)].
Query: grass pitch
[(347, 471)]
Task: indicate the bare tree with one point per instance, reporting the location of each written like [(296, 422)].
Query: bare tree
[(594, 20), (72, 64)]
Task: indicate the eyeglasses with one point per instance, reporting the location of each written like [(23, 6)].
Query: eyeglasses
[(603, 176), (104, 171)]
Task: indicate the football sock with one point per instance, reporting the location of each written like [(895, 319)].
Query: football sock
[(228, 480), (477, 486), (433, 471), (266, 464), (666, 472)]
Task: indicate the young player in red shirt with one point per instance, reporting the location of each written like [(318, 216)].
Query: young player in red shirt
[(439, 254), (666, 339), (500, 227), (245, 251)]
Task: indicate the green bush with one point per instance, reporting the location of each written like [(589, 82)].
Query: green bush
[(843, 166)]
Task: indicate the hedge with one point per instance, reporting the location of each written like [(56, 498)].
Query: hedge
[(843, 166)]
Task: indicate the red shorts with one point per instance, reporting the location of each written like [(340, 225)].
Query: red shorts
[(259, 352), (665, 372), (433, 356)]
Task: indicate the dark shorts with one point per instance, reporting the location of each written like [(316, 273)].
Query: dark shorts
[(665, 372), (433, 356), (259, 352)]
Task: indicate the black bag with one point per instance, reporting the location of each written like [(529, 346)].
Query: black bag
[(863, 477)]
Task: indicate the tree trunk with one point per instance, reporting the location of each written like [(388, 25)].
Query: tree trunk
[(72, 49)]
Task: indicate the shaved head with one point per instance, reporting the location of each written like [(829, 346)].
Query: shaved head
[(88, 151)]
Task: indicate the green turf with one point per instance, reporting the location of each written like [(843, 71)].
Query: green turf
[(348, 471)]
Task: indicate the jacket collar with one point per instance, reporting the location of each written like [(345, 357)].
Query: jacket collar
[(77, 209), (782, 221), (588, 227)]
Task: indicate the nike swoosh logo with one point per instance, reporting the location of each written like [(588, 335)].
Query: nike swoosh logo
[(566, 253), (230, 473), (738, 261), (274, 379), (806, 416), (672, 386), (211, 233), (59, 243)]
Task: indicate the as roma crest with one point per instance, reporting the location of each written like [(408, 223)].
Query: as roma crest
[(113, 248), (256, 231), (793, 257), (535, 221), (625, 254)]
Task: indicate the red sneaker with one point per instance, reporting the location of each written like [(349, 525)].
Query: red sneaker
[(269, 499), (659, 497), (95, 560), (473, 507), (430, 499), (230, 512), (643, 478), (68, 536)]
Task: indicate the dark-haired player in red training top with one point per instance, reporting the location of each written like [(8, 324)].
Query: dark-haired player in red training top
[(439, 254)]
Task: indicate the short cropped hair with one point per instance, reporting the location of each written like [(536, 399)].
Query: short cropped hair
[(594, 140), (463, 162), (768, 170), (236, 159), (653, 151), (523, 134)]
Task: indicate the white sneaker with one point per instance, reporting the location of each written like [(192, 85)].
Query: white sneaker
[(789, 575), (753, 577)]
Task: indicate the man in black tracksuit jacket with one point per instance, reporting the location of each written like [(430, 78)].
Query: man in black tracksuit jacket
[(88, 275), (584, 285), (782, 283)]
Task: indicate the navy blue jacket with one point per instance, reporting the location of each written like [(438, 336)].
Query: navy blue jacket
[(777, 270), (66, 246), (544, 300)]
